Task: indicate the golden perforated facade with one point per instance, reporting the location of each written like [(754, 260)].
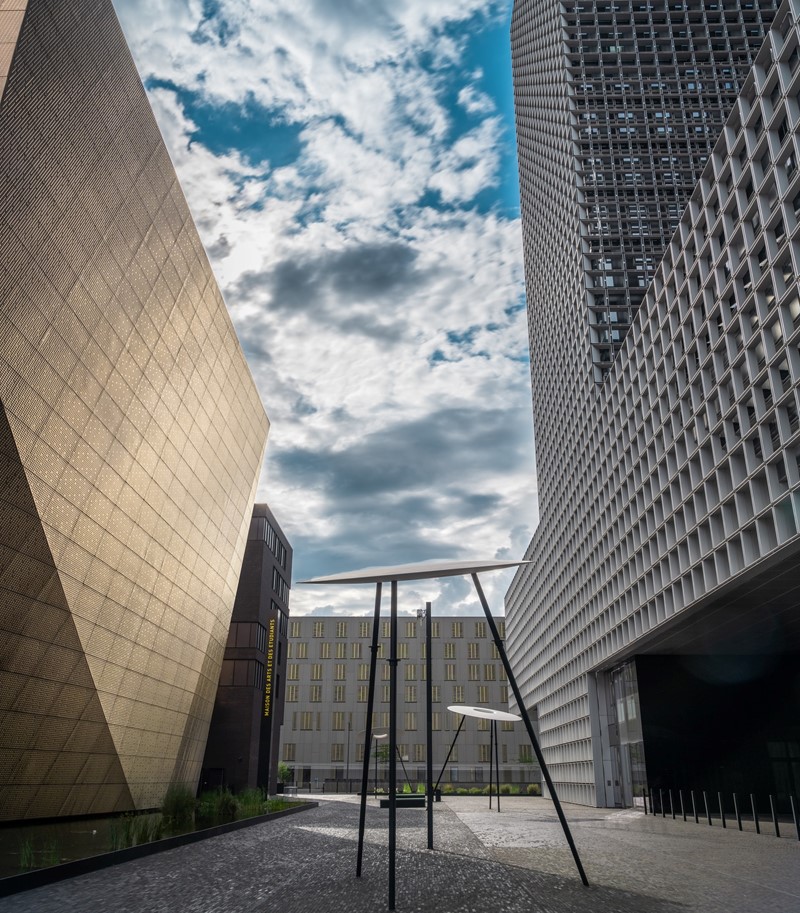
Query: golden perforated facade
[(131, 433)]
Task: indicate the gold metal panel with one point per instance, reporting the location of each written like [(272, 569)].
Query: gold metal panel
[(136, 429)]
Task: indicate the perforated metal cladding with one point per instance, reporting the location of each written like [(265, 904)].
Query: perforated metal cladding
[(135, 419)]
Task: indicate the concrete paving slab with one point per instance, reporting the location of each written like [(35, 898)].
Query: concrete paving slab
[(512, 862)]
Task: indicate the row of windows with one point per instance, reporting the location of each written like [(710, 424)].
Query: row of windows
[(408, 626), (242, 673), (417, 754), (261, 530), (339, 650), (410, 693), (490, 672)]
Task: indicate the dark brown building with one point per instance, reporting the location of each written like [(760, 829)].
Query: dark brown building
[(242, 749)]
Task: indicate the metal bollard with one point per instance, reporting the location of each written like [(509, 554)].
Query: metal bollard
[(705, 802), (671, 806), (755, 813), (683, 810), (774, 817), (721, 810), (644, 797), (661, 803), (794, 815), (736, 810), (694, 808)]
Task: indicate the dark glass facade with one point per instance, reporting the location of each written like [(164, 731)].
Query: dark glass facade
[(242, 750), (131, 434)]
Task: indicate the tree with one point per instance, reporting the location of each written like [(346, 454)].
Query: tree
[(285, 773)]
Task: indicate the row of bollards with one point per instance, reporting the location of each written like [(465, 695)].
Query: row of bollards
[(695, 813)]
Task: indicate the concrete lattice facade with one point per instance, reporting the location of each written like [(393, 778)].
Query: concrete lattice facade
[(668, 493), (327, 684), (132, 433)]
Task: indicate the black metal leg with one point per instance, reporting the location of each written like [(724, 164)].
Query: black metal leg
[(449, 752), (368, 730), (429, 700), (491, 768), (497, 762), (529, 726), (393, 745)]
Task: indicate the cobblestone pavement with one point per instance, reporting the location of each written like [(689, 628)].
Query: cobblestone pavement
[(483, 862)]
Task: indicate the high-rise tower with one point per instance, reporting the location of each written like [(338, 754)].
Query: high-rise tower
[(657, 153)]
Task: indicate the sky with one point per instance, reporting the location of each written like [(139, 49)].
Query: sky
[(350, 165)]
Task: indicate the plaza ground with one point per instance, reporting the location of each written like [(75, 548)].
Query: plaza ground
[(483, 862)]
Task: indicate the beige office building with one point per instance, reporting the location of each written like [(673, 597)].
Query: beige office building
[(327, 688)]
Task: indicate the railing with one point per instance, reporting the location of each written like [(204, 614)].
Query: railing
[(691, 803)]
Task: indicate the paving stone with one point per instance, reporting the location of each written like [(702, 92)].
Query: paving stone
[(512, 862)]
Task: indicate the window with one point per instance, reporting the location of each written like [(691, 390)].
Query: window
[(386, 672), (410, 721), (503, 694), (458, 629), (501, 628), (292, 672), (436, 721), (386, 694), (402, 651), (291, 694), (338, 694), (411, 672), (363, 672), (449, 651), (316, 672), (483, 754), (355, 650), (289, 749), (290, 650), (341, 650), (337, 751), (325, 651), (434, 628), (489, 670), (340, 672), (435, 694), (458, 694), (483, 694), (302, 650), (419, 752), (364, 629), (449, 672), (360, 752), (363, 693), (295, 629), (480, 629), (411, 629), (341, 629), (507, 726), (319, 629), (483, 725), (315, 694), (411, 694), (337, 720), (474, 651), (306, 720), (495, 652), (525, 754), (386, 629)]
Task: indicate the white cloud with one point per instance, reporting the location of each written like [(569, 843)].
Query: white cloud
[(382, 328)]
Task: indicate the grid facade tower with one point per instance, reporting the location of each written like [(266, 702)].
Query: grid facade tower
[(657, 156)]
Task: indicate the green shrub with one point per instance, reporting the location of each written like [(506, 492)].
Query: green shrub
[(507, 790), (406, 787), (421, 789), (225, 805), (475, 791), (488, 790), (448, 789), (251, 802), (26, 855), (285, 773), (534, 789), (462, 791), (178, 806)]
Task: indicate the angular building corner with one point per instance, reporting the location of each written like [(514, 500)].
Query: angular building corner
[(131, 433), (656, 635)]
